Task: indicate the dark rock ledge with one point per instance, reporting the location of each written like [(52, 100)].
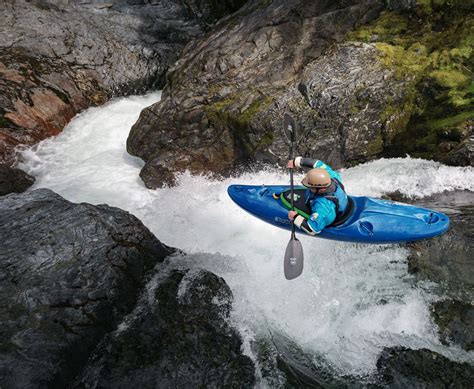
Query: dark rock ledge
[(70, 274)]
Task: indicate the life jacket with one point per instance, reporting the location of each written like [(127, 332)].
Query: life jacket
[(336, 195)]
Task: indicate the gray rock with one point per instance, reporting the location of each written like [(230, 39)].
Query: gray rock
[(284, 364), (448, 259), (13, 180), (177, 336), (404, 368), (455, 320), (58, 57), (221, 105), (69, 273), (339, 103)]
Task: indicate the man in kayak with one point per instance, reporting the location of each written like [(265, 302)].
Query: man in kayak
[(325, 196)]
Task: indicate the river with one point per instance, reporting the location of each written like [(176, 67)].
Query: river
[(351, 301)]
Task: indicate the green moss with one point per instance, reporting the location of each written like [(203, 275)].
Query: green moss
[(267, 139), (226, 114), (388, 25), (449, 122), (406, 63), (258, 105), (375, 147), (450, 78), (432, 53)]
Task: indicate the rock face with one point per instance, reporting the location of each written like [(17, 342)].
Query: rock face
[(221, 104), (176, 337), (455, 320), (404, 368), (224, 99), (448, 261), (69, 273), (13, 180), (59, 57)]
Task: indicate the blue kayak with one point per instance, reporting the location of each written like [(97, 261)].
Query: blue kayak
[(368, 220)]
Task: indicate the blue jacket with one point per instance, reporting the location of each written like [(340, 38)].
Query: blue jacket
[(324, 206)]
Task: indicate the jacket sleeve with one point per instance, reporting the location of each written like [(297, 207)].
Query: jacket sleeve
[(316, 163), (324, 213)]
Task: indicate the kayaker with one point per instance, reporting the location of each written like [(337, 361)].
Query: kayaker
[(325, 196)]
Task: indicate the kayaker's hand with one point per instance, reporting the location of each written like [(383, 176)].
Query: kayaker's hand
[(291, 164), (292, 214)]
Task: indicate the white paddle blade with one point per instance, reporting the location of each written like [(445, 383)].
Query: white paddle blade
[(293, 264)]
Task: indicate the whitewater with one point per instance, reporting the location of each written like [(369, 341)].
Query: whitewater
[(351, 301)]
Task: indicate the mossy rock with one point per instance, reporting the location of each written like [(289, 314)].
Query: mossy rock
[(432, 53)]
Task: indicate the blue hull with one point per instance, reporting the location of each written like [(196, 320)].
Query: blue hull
[(372, 220)]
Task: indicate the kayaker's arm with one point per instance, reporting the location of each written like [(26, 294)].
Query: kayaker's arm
[(315, 163), (323, 215), (302, 223)]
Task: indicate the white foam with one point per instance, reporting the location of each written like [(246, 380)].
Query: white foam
[(351, 301)]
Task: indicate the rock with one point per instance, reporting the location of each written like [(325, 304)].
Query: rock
[(59, 57), (340, 103), (220, 106), (284, 364), (224, 99), (69, 273), (156, 175), (13, 180), (448, 259), (177, 336), (404, 368), (455, 320)]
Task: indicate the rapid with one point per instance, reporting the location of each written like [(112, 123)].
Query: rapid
[(351, 301)]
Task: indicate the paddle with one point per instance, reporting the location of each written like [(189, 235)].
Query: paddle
[(293, 263)]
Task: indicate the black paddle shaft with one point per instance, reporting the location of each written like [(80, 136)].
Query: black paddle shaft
[(293, 262), (290, 130)]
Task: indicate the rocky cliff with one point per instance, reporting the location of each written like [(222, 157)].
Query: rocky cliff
[(59, 57), (355, 74)]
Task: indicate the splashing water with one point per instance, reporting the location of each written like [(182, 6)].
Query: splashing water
[(351, 301)]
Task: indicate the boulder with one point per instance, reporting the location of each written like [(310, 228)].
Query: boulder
[(448, 259), (361, 81), (405, 368), (455, 320), (13, 180), (69, 273), (177, 336), (222, 104)]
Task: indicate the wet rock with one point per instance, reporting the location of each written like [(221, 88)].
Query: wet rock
[(340, 103), (155, 175), (222, 104), (69, 273), (448, 259), (59, 57), (404, 368), (13, 180), (455, 320), (177, 336), (284, 364)]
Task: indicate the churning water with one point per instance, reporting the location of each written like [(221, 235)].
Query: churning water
[(351, 301)]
